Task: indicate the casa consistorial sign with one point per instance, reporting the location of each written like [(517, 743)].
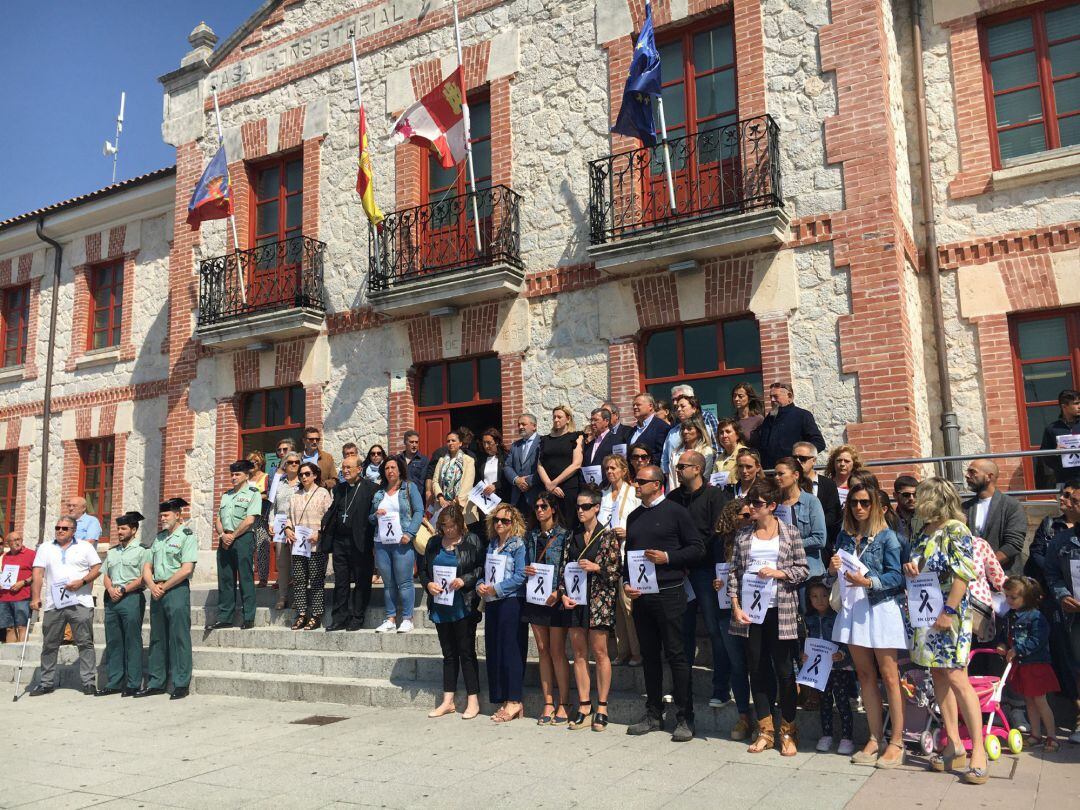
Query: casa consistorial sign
[(368, 22)]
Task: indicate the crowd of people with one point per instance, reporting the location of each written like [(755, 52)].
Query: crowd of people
[(625, 530)]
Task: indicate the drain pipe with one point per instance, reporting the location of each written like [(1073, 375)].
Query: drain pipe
[(950, 424), (58, 258)]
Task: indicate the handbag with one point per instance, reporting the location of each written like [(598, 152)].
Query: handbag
[(423, 535), (983, 627), (835, 602)]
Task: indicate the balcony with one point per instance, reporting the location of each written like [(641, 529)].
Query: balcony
[(272, 292), (727, 199), (429, 256)]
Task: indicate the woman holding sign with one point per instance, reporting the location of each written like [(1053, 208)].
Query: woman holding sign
[(734, 518), (870, 620), (396, 511), (942, 564), (590, 587), (453, 563), (560, 459), (767, 567), (618, 502), (279, 511), (505, 637), (544, 544), (306, 510)]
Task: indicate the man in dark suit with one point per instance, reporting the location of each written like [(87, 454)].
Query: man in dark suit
[(994, 516), (785, 425), (650, 430), (619, 430), (823, 489), (347, 533), (520, 465), (603, 441)]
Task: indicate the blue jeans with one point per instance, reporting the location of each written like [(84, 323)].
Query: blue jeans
[(701, 580), (395, 564)]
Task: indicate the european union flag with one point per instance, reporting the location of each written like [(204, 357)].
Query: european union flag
[(636, 114), (212, 197)]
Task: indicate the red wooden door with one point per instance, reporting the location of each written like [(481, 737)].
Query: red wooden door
[(433, 429)]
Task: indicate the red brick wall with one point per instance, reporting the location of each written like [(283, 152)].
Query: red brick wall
[(291, 128), (80, 312), (656, 298), (972, 127), (226, 448), (999, 394), (402, 411), (288, 360), (624, 379), (313, 412), (775, 348), (120, 441), (479, 325), (425, 339), (1032, 242), (69, 482), (23, 476), (728, 284), (513, 394), (15, 274), (245, 371), (312, 152)]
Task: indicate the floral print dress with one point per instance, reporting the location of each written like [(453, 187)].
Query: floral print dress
[(949, 553)]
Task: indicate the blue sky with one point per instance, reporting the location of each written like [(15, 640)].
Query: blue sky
[(64, 63)]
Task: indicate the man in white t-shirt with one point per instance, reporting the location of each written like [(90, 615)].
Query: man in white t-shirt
[(67, 570)]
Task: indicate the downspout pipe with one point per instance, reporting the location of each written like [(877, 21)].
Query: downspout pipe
[(58, 259), (950, 424)]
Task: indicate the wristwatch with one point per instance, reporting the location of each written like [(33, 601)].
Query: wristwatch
[(122, 589)]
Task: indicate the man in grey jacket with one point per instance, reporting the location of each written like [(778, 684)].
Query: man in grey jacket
[(994, 516)]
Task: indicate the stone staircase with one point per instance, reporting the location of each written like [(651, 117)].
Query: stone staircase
[(273, 662)]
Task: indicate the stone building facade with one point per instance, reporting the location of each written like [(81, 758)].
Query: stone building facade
[(796, 250)]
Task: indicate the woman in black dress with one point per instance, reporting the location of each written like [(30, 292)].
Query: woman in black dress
[(559, 462)]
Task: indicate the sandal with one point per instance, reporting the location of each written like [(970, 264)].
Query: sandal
[(502, 716), (299, 623), (582, 719), (560, 721), (1051, 745), (867, 757), (547, 718), (977, 776), (888, 764), (600, 719), (789, 739), (765, 739), (948, 760), (313, 623)]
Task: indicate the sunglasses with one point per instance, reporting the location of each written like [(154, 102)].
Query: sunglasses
[(905, 495), (376, 454), (639, 457), (758, 503), (294, 461), (587, 506), (684, 466), (503, 521), (643, 481), (306, 474), (542, 507), (862, 503), (64, 528), (804, 459), (315, 439)]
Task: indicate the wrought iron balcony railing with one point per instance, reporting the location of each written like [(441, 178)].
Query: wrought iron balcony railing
[(727, 170), (272, 276), (441, 237)]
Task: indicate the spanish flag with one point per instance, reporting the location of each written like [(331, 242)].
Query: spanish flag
[(364, 185)]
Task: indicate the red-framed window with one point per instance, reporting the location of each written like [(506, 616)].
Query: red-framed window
[(96, 479), (106, 283), (711, 357), (455, 393), (1031, 66), (14, 324), (1046, 361), (268, 416), (9, 481), (277, 198)]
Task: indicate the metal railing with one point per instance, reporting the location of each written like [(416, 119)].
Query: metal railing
[(727, 170), (441, 237), (276, 275)]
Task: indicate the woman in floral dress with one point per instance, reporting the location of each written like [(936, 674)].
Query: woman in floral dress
[(944, 546)]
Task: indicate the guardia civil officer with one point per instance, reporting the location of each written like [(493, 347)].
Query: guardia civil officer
[(125, 605), (165, 574), (236, 546)]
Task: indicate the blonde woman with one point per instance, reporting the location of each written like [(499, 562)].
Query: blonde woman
[(693, 435), (283, 494), (618, 502), (260, 480), (454, 477), (843, 461), (944, 546), (559, 461)]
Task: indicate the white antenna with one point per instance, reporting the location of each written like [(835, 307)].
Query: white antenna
[(114, 148)]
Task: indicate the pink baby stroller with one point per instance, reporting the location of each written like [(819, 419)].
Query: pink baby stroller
[(997, 731)]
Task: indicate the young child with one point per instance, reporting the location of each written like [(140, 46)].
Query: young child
[(1028, 648), (819, 624)]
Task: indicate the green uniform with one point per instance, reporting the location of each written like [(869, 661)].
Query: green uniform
[(124, 619), (170, 616), (237, 562)]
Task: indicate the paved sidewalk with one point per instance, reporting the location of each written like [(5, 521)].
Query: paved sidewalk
[(74, 751)]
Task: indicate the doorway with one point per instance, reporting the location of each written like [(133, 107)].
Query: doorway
[(458, 393)]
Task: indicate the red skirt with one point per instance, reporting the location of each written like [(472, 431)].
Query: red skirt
[(1033, 680)]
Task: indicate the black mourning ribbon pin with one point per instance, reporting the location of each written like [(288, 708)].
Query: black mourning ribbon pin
[(813, 669), (924, 605)]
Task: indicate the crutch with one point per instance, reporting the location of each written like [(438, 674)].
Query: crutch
[(22, 658)]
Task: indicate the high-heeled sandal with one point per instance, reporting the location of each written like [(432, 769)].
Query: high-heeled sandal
[(560, 721), (547, 717), (581, 719), (889, 764), (502, 716), (977, 776), (948, 760), (313, 623), (299, 623), (600, 719)]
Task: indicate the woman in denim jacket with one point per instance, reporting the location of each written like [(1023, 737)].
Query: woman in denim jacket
[(805, 511), (505, 635), (873, 626), (395, 559)]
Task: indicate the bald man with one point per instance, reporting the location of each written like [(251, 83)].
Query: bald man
[(994, 516), (87, 527)]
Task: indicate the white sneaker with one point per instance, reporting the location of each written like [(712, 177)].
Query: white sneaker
[(406, 626), (386, 627), (1075, 736), (846, 748), (718, 703), (824, 744)]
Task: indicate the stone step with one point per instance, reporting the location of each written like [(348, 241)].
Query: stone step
[(206, 596), (272, 617)]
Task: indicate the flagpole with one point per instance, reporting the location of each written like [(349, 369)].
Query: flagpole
[(664, 144), (360, 105), (232, 217), (468, 131)]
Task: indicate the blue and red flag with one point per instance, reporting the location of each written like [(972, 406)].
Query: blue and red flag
[(212, 197), (643, 83)]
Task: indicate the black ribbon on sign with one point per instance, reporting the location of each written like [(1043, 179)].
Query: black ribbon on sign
[(757, 600), (642, 576), (813, 668), (924, 606), (539, 585), (389, 528), (442, 584), (576, 583), (491, 579)]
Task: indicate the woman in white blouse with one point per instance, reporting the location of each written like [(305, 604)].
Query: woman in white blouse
[(618, 501), (283, 491)]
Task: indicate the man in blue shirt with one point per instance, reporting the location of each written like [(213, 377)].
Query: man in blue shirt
[(87, 527), (414, 461)]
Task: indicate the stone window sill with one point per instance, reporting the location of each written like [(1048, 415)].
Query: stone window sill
[(99, 357), (12, 373), (1038, 169)]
